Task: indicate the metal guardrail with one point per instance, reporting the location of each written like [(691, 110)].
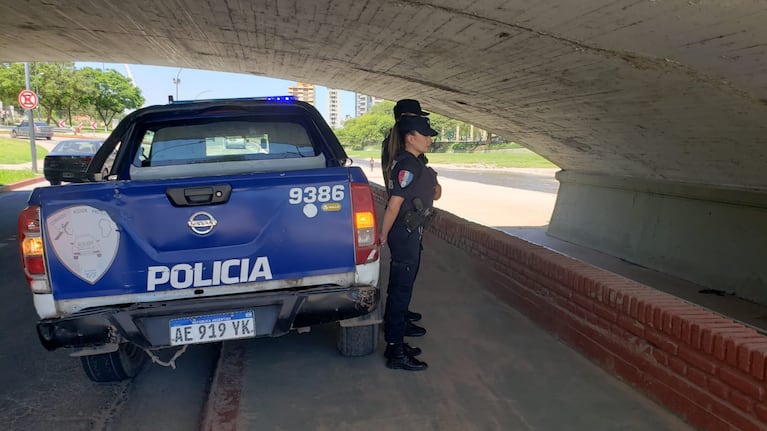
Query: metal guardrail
[(55, 129)]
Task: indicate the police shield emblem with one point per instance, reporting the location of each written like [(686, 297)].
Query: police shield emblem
[(84, 239), (405, 178)]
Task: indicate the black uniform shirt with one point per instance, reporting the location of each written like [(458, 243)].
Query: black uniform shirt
[(411, 179)]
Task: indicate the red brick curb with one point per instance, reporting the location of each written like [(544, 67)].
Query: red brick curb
[(705, 367), (20, 184), (223, 404)]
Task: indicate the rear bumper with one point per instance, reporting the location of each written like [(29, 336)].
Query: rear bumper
[(147, 325), (56, 174)]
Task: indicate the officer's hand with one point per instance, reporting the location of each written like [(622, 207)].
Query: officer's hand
[(382, 238), (437, 192)]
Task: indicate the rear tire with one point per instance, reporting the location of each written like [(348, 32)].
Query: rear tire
[(357, 340), (13, 133), (55, 182), (123, 364)]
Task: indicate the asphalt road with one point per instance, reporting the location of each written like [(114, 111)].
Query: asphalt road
[(41, 390)]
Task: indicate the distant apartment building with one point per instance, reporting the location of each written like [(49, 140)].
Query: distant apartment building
[(303, 92), (334, 109), (363, 103)]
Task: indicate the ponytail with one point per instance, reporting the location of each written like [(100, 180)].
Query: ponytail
[(395, 144)]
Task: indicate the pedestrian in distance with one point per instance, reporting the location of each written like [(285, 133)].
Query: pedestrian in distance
[(412, 190), (372, 164)]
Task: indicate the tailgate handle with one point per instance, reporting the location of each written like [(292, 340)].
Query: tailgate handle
[(192, 196)]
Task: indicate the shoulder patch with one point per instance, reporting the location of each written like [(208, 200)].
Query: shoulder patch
[(405, 177)]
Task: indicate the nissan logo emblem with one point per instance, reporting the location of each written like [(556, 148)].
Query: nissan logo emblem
[(202, 223)]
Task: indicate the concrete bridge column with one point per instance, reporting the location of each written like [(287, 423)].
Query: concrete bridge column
[(712, 236)]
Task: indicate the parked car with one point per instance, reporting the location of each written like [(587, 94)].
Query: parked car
[(69, 160), (42, 130)]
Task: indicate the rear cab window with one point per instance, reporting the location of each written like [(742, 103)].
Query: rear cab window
[(224, 145)]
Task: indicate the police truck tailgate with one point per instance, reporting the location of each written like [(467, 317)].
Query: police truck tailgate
[(265, 231)]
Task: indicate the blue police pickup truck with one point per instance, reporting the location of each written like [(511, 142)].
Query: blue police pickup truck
[(190, 239)]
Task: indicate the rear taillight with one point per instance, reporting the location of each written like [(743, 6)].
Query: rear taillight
[(365, 229), (31, 245)]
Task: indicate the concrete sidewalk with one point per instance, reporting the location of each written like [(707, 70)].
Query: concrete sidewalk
[(490, 368)]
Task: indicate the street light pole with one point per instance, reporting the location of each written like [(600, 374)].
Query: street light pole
[(177, 81), (31, 121), (37, 90)]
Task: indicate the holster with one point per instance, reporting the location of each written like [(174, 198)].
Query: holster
[(421, 217)]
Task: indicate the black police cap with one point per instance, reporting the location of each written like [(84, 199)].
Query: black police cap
[(408, 106), (418, 124)]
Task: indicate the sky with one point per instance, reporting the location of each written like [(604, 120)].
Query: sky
[(157, 83)]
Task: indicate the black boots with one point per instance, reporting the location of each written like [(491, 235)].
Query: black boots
[(413, 330), (397, 359), (412, 316), (407, 348), (402, 356)]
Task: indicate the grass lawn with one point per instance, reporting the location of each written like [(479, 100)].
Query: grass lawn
[(495, 159), (13, 151), (16, 151), (8, 176)]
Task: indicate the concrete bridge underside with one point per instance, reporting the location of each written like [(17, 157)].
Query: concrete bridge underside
[(656, 111)]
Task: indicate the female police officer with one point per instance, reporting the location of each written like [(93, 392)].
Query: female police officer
[(412, 188)]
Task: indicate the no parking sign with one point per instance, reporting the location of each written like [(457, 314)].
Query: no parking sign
[(28, 99)]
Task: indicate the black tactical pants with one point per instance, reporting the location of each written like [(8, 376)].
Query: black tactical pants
[(405, 250)]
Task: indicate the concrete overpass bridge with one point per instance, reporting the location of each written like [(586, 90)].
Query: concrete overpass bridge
[(656, 111)]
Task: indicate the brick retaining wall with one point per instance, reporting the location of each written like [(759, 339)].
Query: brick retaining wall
[(708, 369)]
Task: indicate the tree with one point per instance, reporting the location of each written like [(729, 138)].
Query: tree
[(54, 85), (50, 81), (368, 129), (62, 88), (11, 82), (110, 93), (445, 126), (79, 98)]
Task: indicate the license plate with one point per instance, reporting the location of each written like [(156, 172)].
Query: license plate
[(212, 327)]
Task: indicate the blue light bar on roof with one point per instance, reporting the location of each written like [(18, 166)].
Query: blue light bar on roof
[(281, 99)]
